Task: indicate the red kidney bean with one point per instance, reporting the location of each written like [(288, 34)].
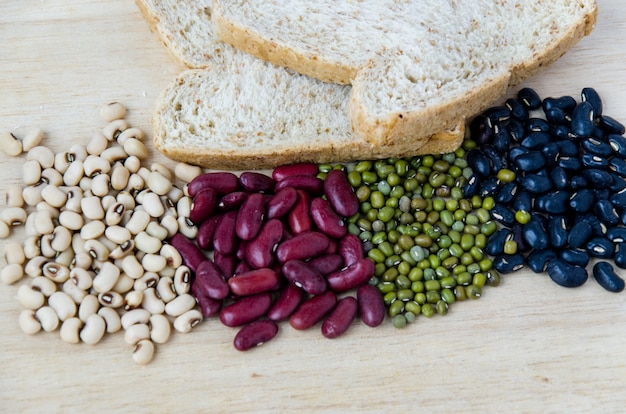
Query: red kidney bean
[(255, 334), (222, 182), (333, 247), (191, 254), (206, 231), (241, 250), (313, 310), (210, 281), (242, 267), (302, 246), (299, 217), (260, 250), (351, 249), (340, 194), (281, 203), (309, 183), (255, 182), (250, 217), (340, 318), (253, 282), (226, 263), (304, 276), (371, 305), (225, 237), (284, 171), (286, 303), (203, 205), (208, 306), (351, 277), (232, 200), (246, 309), (326, 264), (326, 220)]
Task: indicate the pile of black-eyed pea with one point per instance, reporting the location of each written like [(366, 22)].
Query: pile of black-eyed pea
[(96, 219)]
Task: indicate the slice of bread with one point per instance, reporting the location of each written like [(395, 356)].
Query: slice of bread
[(240, 112), (416, 66)]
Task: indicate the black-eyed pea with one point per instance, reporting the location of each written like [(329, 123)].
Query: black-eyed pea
[(5, 230), (171, 255), (31, 137), (11, 273), (175, 194), (124, 284), (135, 183), (62, 161), (70, 330), (13, 196), (134, 147), (136, 332), (97, 144), (182, 280), (133, 300), (42, 155), (91, 207), (147, 244), (131, 132), (82, 260), (65, 258), (170, 223), (31, 247), (151, 302), (87, 307), (133, 164), (71, 220), (73, 292), (94, 165), (54, 196), (45, 244), (117, 234), (93, 330), (29, 297), (78, 243), (114, 154), (167, 272), (52, 177), (44, 285), (56, 272), (106, 278), (119, 176), (187, 321), (14, 253), (74, 197), (135, 316), (45, 206), (101, 185), (183, 206), (165, 290), (107, 201), (47, 318), (154, 229), (34, 266), (61, 238), (132, 267), (187, 228), (73, 173), (31, 172), (115, 127), (85, 185), (13, 216), (9, 144), (180, 304), (32, 194), (82, 278), (146, 281), (111, 299), (143, 352), (138, 222), (160, 329), (152, 204), (126, 199), (112, 111), (162, 169), (111, 319), (153, 262), (158, 183), (28, 322), (63, 305), (42, 221), (187, 172), (92, 230)]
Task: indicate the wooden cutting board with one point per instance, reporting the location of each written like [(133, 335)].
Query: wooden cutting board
[(526, 346)]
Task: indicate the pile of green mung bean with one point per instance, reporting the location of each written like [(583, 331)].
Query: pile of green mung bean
[(426, 238)]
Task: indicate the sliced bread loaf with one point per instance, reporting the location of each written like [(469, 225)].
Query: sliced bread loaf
[(244, 113), (416, 66)]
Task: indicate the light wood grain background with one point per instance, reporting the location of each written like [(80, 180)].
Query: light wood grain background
[(527, 346)]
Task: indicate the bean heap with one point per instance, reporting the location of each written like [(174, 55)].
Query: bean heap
[(95, 222), (426, 238), (556, 169), (268, 249)]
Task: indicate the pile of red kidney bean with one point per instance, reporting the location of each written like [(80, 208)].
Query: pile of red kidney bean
[(277, 248)]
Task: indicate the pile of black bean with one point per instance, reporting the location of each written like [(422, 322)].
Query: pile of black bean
[(556, 168)]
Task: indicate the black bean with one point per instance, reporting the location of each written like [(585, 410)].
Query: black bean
[(507, 193), (498, 114), (553, 203), (498, 162), (472, 186), (619, 183), (478, 162), (565, 274), (617, 144), (579, 234), (567, 148), (557, 232), (602, 193), (508, 263), (529, 98), (570, 163), (537, 125), (606, 277), (536, 184), (582, 200), (516, 129), (596, 147), (598, 178), (590, 95), (536, 140), (523, 201), (619, 199), (618, 165), (559, 178), (606, 213), (560, 131), (597, 227), (582, 120), (495, 244), (616, 234), (600, 247), (535, 234), (551, 152), (578, 182), (518, 229), (594, 161), (538, 260), (557, 116), (611, 125), (531, 161), (480, 130), (501, 138), (489, 187), (503, 215), (564, 103), (516, 152), (517, 109), (620, 255), (576, 257)]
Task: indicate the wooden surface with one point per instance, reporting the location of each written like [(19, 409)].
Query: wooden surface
[(526, 346)]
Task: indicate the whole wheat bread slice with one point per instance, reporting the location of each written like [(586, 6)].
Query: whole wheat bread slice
[(239, 112), (416, 66)]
